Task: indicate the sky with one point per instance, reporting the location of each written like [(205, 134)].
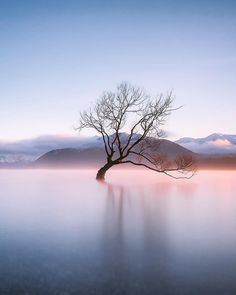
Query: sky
[(57, 57)]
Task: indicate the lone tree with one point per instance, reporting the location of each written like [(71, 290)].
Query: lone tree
[(115, 111)]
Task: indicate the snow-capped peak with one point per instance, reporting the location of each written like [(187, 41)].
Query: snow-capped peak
[(216, 143)]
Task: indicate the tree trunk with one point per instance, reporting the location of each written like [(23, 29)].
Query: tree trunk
[(102, 171)]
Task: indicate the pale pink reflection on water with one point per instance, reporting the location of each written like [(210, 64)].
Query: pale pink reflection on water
[(137, 233)]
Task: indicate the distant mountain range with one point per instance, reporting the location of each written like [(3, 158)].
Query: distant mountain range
[(27, 151), (57, 151), (214, 144)]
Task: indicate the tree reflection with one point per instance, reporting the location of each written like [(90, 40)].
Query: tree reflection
[(135, 240)]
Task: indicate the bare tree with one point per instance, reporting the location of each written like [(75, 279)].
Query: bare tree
[(114, 112)]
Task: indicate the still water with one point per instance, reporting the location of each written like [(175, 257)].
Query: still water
[(62, 232)]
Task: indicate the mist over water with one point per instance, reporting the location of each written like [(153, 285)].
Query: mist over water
[(62, 232)]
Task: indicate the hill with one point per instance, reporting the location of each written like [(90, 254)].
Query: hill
[(95, 156)]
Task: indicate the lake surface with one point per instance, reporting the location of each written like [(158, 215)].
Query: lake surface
[(62, 232)]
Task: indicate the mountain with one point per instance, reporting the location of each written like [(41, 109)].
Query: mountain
[(28, 150), (95, 156), (214, 144), (217, 151)]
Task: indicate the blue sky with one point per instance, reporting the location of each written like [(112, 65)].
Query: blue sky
[(57, 57)]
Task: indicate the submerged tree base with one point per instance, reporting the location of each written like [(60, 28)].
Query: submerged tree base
[(100, 177), (102, 171)]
